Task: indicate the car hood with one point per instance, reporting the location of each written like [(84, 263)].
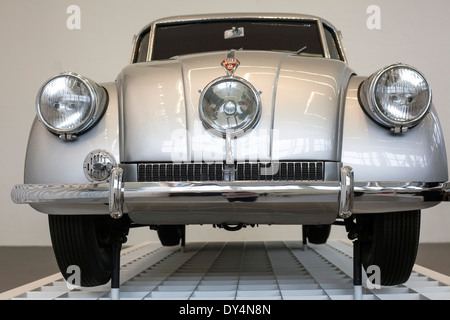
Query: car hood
[(301, 108)]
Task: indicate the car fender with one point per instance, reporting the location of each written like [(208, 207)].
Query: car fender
[(377, 154), (53, 160)]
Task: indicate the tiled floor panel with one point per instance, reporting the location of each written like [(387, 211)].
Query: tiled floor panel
[(243, 271)]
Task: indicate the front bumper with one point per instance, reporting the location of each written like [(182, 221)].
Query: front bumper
[(342, 198)]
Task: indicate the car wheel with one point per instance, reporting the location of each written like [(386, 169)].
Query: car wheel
[(390, 242), (85, 242), (171, 235), (317, 234)]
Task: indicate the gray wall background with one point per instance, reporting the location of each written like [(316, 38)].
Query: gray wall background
[(36, 44)]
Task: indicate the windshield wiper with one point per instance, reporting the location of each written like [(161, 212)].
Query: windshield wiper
[(300, 50)]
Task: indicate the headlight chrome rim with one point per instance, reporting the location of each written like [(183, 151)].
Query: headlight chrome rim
[(229, 106), (369, 101), (97, 106)]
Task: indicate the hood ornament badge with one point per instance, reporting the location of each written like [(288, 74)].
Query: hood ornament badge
[(230, 63)]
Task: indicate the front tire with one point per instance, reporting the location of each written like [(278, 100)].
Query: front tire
[(85, 242), (390, 241)]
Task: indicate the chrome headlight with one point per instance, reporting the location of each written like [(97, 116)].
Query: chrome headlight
[(397, 97), (229, 104), (69, 104)]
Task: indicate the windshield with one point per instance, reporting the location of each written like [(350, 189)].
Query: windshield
[(272, 35)]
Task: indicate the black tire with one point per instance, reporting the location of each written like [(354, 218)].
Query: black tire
[(390, 241), (171, 235), (83, 241), (318, 234)]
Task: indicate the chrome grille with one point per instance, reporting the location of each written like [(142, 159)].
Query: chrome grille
[(242, 171), (282, 171), (152, 172)]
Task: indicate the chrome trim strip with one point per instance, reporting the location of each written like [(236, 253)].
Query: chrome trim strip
[(326, 50), (236, 16), (133, 48), (151, 41), (224, 192), (116, 193), (339, 39), (173, 192), (274, 99), (341, 45), (347, 193), (185, 104), (229, 147), (63, 193), (429, 191)]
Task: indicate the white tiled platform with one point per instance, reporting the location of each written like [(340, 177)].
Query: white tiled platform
[(240, 271)]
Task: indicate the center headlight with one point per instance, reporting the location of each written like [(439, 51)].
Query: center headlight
[(398, 96), (70, 104), (229, 104)]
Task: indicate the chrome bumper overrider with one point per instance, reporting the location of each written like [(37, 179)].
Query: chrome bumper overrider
[(346, 193)]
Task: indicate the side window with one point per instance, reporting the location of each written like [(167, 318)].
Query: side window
[(332, 44), (142, 47)]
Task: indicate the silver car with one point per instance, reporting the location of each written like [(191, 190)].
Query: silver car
[(236, 121)]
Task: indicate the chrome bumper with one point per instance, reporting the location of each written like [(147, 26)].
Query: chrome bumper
[(346, 193)]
